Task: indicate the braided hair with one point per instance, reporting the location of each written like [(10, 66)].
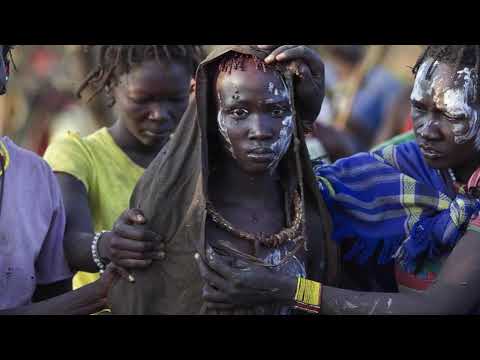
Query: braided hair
[(8, 57), (115, 60), (459, 56)]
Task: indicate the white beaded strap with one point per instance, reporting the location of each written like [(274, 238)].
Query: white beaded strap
[(96, 258)]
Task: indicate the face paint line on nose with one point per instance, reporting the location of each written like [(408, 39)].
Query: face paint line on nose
[(424, 126)]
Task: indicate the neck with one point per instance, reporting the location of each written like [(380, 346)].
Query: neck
[(231, 184), (463, 173)]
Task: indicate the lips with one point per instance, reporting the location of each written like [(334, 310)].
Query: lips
[(261, 154), (431, 153), (156, 133)]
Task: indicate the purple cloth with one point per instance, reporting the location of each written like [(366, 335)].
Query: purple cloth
[(32, 225)]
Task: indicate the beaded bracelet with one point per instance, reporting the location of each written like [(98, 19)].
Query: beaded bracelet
[(96, 258), (307, 296)]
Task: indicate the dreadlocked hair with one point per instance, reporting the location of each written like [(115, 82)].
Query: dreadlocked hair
[(7, 55), (115, 60), (459, 56)]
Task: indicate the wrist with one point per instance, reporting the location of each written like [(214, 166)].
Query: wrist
[(97, 259), (287, 288), (308, 295), (97, 295), (103, 247)]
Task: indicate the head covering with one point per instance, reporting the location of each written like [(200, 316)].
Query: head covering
[(173, 193)]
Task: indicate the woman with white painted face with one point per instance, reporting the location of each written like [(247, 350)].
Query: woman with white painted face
[(439, 255), (237, 182)]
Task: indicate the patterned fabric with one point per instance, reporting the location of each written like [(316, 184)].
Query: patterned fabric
[(390, 201)]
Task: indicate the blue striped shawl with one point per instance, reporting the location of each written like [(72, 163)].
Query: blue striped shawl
[(391, 200)]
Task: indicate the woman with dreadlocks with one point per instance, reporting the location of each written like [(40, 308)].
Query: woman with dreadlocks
[(237, 181), (34, 274), (434, 240), (148, 87)]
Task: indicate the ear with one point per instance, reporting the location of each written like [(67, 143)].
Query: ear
[(192, 86)]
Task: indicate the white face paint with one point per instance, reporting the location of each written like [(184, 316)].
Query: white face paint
[(455, 101), (270, 87), (280, 146), (458, 102), (224, 132), (422, 85)]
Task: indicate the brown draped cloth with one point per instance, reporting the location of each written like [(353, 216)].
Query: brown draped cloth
[(173, 192)]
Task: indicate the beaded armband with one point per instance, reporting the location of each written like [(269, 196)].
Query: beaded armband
[(307, 297)]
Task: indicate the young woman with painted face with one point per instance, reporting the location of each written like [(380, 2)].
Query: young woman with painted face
[(237, 181), (35, 277), (440, 256), (149, 87)]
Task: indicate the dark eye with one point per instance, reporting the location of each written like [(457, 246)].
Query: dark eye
[(418, 108), (280, 112), (457, 119), (138, 100), (239, 113)]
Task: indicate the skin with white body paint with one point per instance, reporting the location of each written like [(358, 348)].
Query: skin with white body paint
[(280, 146), (457, 101)]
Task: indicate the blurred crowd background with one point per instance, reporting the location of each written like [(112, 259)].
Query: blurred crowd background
[(366, 103)]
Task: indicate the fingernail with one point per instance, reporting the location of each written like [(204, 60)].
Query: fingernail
[(140, 218), (269, 58), (131, 278), (280, 57), (197, 256)]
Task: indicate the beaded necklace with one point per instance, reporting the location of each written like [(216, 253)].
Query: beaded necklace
[(270, 241), (293, 233)]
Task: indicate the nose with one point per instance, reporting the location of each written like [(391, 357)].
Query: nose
[(431, 129), (158, 112), (260, 129)]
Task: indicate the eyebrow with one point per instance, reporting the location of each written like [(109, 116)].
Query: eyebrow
[(270, 101)]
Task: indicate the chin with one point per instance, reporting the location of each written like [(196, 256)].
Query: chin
[(439, 164), (148, 141), (256, 169)]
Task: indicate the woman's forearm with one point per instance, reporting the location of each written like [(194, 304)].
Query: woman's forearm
[(337, 301), (78, 251), (86, 300)]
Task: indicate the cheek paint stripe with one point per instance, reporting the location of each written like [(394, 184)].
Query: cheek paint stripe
[(224, 132), (280, 146)]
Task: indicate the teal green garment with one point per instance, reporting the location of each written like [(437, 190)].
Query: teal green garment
[(399, 139)]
